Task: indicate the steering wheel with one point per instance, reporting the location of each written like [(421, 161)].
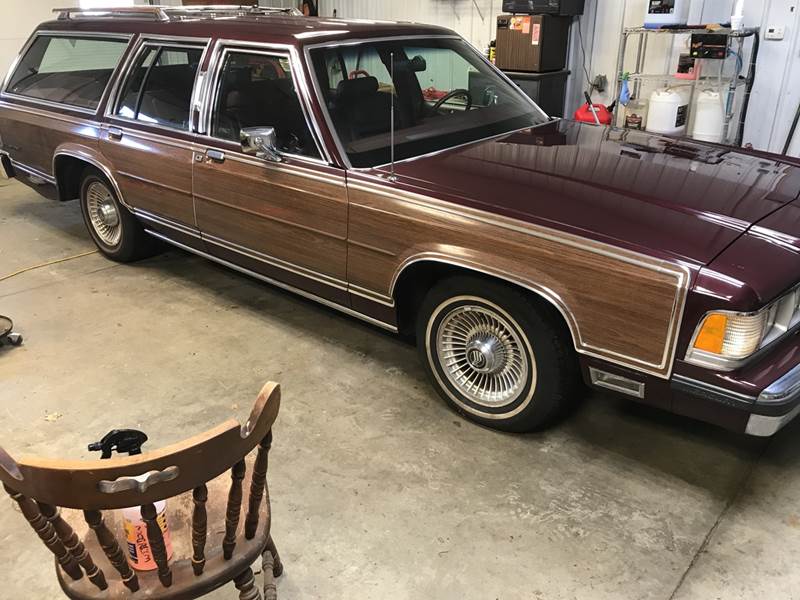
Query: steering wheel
[(357, 72), (453, 94)]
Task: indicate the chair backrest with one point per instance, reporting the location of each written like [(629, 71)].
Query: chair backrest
[(41, 486)]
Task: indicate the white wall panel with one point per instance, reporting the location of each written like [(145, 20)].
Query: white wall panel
[(473, 19), (19, 18)]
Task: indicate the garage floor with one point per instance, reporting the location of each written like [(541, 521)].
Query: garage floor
[(379, 491)]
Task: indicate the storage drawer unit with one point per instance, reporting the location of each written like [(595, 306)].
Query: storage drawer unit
[(532, 43)]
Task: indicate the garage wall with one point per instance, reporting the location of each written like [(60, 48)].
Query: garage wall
[(20, 17), (473, 19), (775, 95)]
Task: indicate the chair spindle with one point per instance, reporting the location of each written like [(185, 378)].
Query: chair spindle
[(246, 584), (70, 540), (47, 533), (257, 487), (107, 541), (234, 509), (199, 528), (155, 538)]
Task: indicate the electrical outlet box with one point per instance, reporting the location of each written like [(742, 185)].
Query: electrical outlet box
[(775, 33)]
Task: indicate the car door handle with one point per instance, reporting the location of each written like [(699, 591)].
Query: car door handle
[(215, 155), (114, 133)]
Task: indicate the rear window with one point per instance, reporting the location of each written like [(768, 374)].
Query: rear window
[(67, 70)]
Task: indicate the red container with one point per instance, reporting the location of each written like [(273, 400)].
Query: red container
[(585, 115)]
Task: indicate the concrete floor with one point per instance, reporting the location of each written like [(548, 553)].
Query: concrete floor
[(379, 491)]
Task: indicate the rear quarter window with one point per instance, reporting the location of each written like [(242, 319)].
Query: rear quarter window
[(67, 70)]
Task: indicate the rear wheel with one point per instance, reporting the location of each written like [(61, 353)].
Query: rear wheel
[(495, 356), (115, 231)]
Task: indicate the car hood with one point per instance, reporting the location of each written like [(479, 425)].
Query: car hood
[(667, 197)]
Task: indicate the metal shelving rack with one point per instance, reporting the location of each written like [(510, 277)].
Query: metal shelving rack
[(730, 83)]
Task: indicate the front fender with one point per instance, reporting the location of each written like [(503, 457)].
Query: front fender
[(621, 306)]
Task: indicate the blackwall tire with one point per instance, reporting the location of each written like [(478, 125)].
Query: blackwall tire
[(495, 356)]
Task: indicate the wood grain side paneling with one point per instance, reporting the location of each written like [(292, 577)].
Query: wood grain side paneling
[(31, 136), (282, 214), (153, 174), (620, 305)]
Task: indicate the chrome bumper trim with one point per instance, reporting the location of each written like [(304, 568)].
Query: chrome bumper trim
[(764, 426), (783, 390)]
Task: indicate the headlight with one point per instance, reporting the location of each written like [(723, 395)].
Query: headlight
[(724, 339)]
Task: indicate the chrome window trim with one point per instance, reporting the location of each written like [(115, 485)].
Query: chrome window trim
[(324, 301), (49, 114), (161, 41), (126, 37), (212, 80), (354, 42)]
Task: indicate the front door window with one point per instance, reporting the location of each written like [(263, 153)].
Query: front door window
[(258, 90)]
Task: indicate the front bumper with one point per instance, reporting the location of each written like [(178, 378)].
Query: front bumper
[(783, 395), (759, 399)]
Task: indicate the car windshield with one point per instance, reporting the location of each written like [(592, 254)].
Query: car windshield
[(444, 94)]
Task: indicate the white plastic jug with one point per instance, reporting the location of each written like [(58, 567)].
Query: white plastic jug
[(709, 117), (669, 111)]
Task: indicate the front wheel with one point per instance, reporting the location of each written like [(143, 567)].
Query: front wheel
[(495, 356), (115, 231)]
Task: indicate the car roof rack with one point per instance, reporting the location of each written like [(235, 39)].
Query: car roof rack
[(169, 13)]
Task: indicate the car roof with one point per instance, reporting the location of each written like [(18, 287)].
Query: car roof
[(277, 28)]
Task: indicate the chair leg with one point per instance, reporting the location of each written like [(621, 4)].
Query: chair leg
[(246, 584), (277, 569), (267, 568)]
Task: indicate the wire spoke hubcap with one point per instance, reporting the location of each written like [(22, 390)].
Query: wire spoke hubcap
[(481, 353), (103, 213)]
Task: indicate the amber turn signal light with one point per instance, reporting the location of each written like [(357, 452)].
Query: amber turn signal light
[(712, 334)]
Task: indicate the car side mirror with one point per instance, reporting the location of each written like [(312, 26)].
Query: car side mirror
[(261, 142)]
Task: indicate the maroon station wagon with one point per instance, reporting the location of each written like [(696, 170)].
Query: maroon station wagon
[(389, 171)]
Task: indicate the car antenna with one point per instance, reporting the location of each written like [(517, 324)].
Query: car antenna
[(392, 176)]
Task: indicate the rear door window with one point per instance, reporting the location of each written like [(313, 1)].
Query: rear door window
[(68, 70), (158, 90)]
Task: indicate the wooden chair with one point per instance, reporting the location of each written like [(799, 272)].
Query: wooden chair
[(90, 558)]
